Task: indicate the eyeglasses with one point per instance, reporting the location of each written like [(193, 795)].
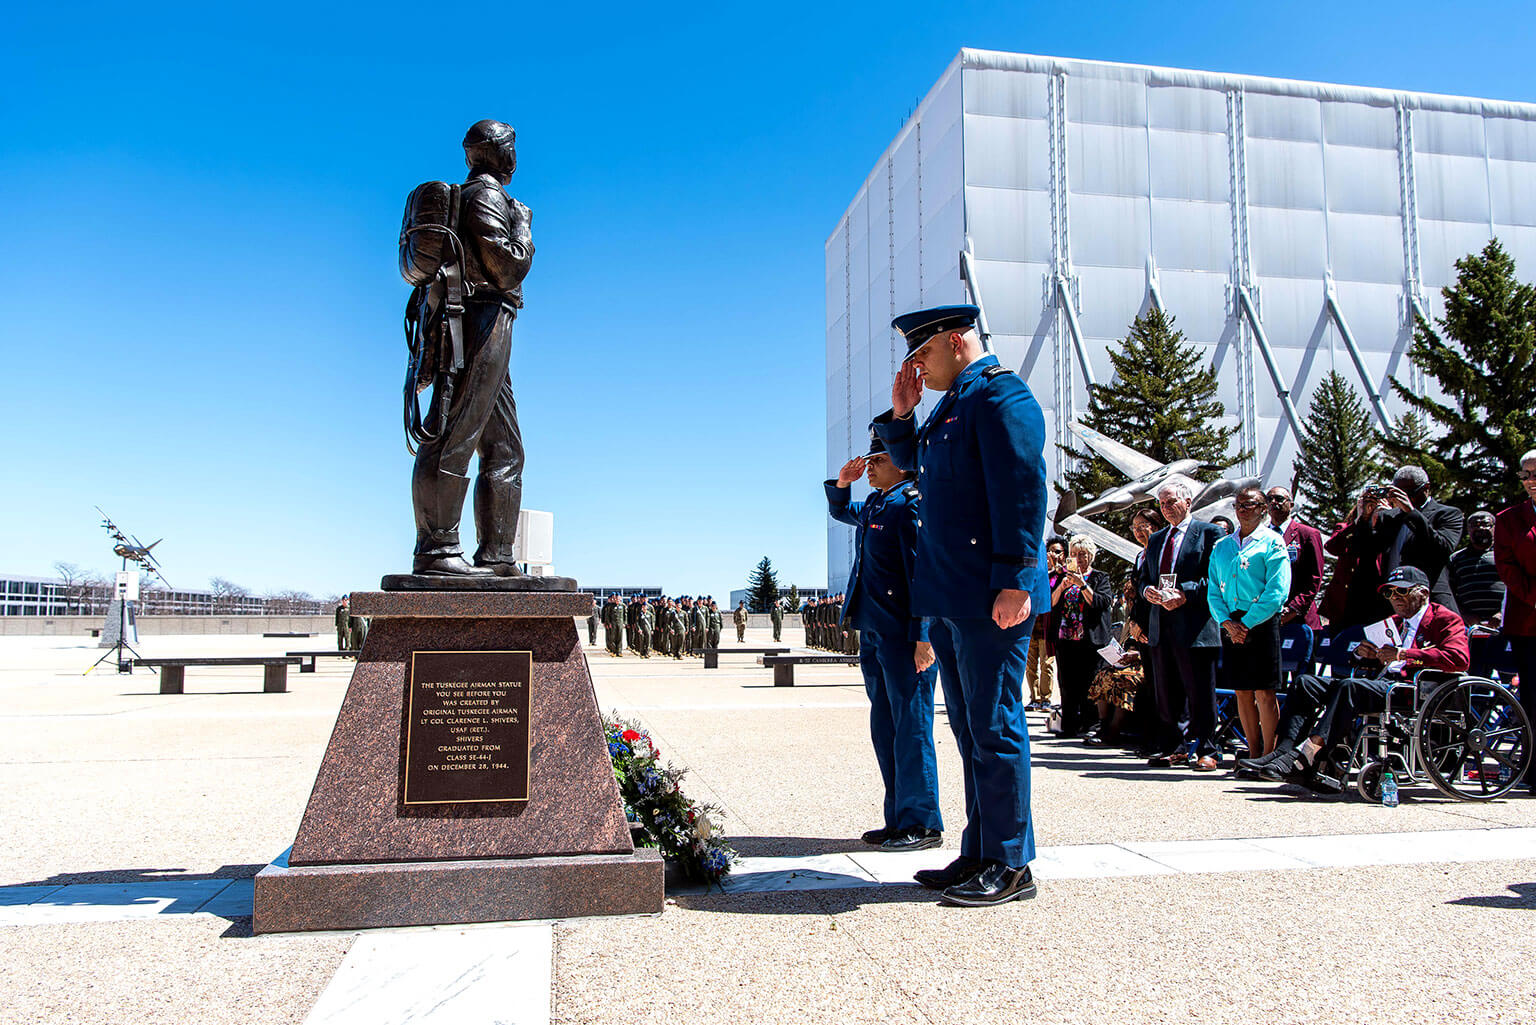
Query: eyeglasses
[(1397, 592), (1525, 475), (1249, 505), (1276, 499)]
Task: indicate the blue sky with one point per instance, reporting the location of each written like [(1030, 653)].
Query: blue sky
[(202, 311)]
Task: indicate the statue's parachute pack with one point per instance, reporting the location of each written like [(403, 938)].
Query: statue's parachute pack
[(432, 260), (429, 232)]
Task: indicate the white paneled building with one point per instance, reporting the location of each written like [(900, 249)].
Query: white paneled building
[(1289, 227)]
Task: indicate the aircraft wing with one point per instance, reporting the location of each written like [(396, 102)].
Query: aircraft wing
[(1106, 539), (1125, 459)]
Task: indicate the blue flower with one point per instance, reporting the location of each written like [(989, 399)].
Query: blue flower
[(617, 750), (650, 781)]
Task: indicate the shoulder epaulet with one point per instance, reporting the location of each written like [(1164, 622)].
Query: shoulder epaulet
[(911, 491), (996, 371)]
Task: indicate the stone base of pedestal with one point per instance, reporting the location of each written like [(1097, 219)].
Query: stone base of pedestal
[(368, 854), (457, 892)]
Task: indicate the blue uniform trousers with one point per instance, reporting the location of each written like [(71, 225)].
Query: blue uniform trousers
[(901, 727), (982, 671)]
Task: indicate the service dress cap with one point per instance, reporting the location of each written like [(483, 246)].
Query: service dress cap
[(919, 326), (876, 444)]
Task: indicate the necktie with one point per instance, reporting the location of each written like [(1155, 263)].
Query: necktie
[(1168, 551), (1401, 626)]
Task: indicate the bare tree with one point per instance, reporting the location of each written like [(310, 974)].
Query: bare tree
[(85, 591), (226, 594)]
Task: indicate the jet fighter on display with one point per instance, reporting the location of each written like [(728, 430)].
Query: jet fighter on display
[(131, 549), (1148, 476)]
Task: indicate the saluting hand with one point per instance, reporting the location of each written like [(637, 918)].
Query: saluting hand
[(852, 470), (1010, 608), (906, 390)]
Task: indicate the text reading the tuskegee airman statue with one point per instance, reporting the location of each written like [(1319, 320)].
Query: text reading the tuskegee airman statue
[(466, 737)]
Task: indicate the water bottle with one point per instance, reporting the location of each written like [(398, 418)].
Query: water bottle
[(1388, 790)]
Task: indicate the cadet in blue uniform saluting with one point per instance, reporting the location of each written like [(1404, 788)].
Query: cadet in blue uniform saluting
[(980, 577), (894, 652)]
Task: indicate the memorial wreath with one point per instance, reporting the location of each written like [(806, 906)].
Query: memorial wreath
[(684, 832)]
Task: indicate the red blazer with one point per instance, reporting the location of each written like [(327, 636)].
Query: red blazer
[(1305, 545), (1514, 554), (1440, 644)]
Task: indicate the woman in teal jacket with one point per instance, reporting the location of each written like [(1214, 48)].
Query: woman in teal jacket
[(1250, 579)]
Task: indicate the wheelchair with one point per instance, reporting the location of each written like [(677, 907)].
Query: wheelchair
[(1466, 735)]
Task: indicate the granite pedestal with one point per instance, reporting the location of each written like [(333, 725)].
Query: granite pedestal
[(363, 857)]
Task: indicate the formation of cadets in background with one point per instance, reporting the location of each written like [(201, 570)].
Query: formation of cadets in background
[(663, 626), (822, 630), (686, 625)]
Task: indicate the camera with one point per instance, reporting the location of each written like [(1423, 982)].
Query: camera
[(1377, 490)]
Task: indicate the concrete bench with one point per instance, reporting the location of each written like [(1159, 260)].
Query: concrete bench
[(308, 663), (784, 665), (173, 671), (712, 655)]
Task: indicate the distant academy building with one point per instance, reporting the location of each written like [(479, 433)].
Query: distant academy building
[(1291, 228)]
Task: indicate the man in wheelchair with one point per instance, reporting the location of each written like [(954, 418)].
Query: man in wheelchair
[(1420, 635)]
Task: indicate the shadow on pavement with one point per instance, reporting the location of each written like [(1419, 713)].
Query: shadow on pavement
[(1523, 898), (797, 846), (124, 876), (807, 902)]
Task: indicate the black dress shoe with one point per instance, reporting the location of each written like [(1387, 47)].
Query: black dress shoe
[(1104, 738), (1285, 767), (996, 883), (957, 871), (1164, 760), (876, 837), (1256, 764), (913, 840)]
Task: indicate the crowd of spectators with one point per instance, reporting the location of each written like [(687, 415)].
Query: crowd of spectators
[(1208, 607)]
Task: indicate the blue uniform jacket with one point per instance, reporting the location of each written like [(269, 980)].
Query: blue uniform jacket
[(885, 549), (980, 458)]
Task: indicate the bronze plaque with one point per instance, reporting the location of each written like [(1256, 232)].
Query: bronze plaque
[(466, 732)]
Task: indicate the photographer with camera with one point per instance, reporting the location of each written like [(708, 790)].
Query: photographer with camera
[(1415, 530), (1391, 526)]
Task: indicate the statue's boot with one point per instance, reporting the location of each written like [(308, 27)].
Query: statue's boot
[(498, 499), (439, 501)]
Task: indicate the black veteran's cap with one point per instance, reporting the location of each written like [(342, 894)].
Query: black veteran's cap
[(876, 444), (1405, 576), (919, 326)]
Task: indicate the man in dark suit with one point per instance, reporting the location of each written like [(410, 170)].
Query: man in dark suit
[(1304, 545), (1183, 636), (1415, 530), (1422, 635), (1514, 553)]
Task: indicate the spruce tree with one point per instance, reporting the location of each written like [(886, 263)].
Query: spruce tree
[(762, 587), (1408, 443), (794, 598), (1162, 401), (1340, 453), (1489, 377)]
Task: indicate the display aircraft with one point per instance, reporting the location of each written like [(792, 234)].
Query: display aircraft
[(131, 549), (1147, 475)]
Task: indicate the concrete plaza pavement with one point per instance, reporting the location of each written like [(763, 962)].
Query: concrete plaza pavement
[(107, 781)]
